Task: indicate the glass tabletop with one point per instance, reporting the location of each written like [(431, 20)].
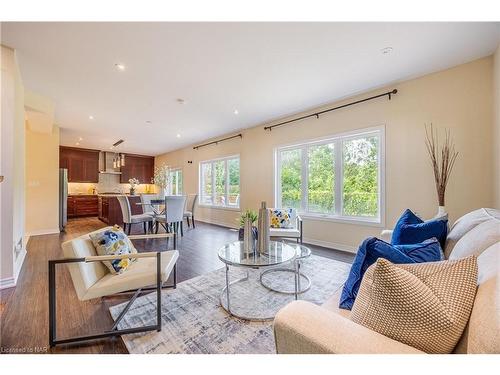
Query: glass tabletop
[(234, 254), (302, 251)]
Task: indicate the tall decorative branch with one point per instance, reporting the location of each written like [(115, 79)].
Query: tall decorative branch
[(443, 159)]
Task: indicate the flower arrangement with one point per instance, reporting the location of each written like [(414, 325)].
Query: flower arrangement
[(161, 176), (133, 183)]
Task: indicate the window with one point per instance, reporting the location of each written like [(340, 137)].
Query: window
[(220, 182), (338, 177), (175, 185)]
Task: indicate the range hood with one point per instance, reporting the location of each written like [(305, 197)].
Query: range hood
[(106, 163)]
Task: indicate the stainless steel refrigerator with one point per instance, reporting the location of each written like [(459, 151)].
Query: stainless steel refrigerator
[(63, 198)]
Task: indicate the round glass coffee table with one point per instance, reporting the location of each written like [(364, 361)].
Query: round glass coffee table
[(233, 254), (302, 253)]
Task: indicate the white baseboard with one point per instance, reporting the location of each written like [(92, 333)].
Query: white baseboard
[(8, 282), (216, 222), (327, 244), (41, 232), (331, 245)]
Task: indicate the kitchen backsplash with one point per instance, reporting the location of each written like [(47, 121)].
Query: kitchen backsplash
[(108, 183)]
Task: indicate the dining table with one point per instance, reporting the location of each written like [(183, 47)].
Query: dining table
[(157, 207)]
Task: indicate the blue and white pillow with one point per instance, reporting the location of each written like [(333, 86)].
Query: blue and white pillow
[(283, 217), (113, 241)]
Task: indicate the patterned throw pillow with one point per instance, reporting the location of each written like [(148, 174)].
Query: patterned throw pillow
[(424, 305), (113, 241), (283, 218)]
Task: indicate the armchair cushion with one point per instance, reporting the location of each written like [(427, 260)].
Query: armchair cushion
[(139, 274), (410, 229), (371, 249), (425, 305), (283, 218), (113, 241)]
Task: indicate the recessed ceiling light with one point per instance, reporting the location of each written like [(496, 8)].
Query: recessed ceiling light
[(386, 50), (120, 67), (181, 101), (77, 143), (80, 139), (236, 111), (148, 122), (178, 135), (91, 117)]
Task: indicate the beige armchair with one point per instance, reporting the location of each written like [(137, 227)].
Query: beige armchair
[(303, 327), (91, 279)]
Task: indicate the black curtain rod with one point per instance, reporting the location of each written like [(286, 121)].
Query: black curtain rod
[(388, 93), (217, 141)]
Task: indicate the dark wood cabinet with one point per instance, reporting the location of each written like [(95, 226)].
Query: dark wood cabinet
[(110, 211), (82, 164), (82, 205), (71, 207), (137, 166)]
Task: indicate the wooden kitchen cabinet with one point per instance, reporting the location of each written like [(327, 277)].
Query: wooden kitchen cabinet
[(82, 164), (82, 205), (71, 212), (137, 166)]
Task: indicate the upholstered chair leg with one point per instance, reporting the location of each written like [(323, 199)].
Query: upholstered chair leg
[(157, 226), (187, 221), (145, 228), (129, 227), (192, 221), (182, 229)]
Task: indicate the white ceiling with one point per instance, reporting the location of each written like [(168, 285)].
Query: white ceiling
[(265, 70)]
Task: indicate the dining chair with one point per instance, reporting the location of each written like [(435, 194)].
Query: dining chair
[(190, 205), (146, 203), (174, 214), (129, 219)]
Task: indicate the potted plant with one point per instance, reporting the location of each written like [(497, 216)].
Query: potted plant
[(133, 183), (161, 178), (250, 216)]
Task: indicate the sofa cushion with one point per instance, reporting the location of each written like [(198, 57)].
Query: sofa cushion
[(465, 224), (478, 239), (410, 229), (425, 305), (482, 334), (373, 248)]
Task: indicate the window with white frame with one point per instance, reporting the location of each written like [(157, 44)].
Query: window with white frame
[(175, 182), (338, 177), (220, 182)]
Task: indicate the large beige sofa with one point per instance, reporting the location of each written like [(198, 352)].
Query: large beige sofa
[(303, 327)]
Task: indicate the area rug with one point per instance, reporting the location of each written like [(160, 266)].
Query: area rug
[(194, 322)]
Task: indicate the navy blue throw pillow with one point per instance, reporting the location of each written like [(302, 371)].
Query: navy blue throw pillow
[(410, 229), (372, 248)]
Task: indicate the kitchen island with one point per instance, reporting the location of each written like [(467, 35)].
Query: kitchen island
[(109, 210)]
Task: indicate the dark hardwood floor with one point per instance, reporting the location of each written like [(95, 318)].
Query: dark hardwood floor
[(24, 309)]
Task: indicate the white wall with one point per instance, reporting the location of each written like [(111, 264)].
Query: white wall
[(459, 99), (496, 127), (12, 167)]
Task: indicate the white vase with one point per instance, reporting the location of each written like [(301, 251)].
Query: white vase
[(441, 212)]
